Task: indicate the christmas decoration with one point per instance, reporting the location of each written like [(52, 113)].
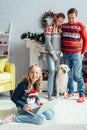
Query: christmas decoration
[(49, 14), (39, 37)]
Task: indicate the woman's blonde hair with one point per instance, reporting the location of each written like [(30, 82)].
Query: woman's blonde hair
[(27, 78)]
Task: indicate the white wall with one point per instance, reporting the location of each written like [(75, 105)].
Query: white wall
[(25, 16)]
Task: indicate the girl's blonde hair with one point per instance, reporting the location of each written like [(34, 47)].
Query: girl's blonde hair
[(27, 78)]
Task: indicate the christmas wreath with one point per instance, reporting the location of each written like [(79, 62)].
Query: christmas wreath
[(49, 14)]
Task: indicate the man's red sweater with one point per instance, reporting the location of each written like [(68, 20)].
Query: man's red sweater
[(74, 38)]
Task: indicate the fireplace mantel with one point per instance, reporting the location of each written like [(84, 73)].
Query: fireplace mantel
[(35, 48)]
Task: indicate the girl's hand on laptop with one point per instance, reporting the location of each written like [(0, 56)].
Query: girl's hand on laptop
[(40, 103), (27, 107)]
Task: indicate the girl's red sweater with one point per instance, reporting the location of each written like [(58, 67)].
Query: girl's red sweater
[(74, 38)]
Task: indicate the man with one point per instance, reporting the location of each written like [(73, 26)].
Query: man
[(74, 44)]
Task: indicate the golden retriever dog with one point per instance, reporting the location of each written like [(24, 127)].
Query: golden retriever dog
[(62, 79)]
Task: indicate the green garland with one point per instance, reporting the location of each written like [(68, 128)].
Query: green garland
[(44, 22), (39, 37)]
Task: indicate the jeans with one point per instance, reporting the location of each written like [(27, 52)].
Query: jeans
[(25, 117), (52, 65), (74, 62)]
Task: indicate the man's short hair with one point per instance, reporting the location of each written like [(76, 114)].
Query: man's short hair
[(72, 10)]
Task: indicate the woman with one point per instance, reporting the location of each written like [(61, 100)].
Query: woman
[(53, 47)]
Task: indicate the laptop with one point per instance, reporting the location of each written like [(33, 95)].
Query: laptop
[(36, 109)]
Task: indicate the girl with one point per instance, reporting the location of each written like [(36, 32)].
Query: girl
[(53, 47), (25, 95)]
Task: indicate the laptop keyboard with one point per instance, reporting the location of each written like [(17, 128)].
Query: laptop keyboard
[(35, 110)]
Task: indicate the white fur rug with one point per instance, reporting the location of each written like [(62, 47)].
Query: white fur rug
[(69, 115)]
